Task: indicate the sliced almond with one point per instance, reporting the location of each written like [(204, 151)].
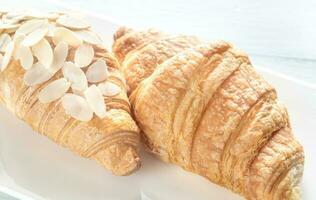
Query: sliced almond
[(43, 52), (8, 26), (89, 37), (15, 13), (84, 55), (7, 55), (35, 14), (95, 100), (65, 35), (24, 54), (17, 41), (97, 72), (72, 23), (54, 90), (5, 39), (35, 36), (60, 56), (75, 75), (17, 19), (13, 20), (30, 26), (109, 89), (37, 74), (77, 107), (75, 14)]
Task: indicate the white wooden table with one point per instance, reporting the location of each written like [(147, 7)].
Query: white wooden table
[(278, 35)]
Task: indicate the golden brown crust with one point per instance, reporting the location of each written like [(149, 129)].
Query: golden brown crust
[(151, 55), (112, 141), (127, 40), (203, 106)]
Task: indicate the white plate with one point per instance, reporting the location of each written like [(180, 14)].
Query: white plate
[(32, 167)]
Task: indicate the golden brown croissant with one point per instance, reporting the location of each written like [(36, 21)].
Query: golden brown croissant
[(53, 54), (202, 106)]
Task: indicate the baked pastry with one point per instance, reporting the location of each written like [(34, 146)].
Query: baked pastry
[(57, 76), (203, 107)]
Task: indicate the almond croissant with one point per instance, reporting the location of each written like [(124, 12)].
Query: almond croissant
[(54, 75), (202, 106)]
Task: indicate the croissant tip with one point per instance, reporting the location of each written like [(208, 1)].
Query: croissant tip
[(134, 166), (121, 159), (128, 166)]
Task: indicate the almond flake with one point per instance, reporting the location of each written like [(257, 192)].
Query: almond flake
[(60, 56), (7, 55), (109, 89), (75, 75), (17, 19), (95, 100), (89, 37), (31, 26), (15, 13), (17, 41), (37, 74), (66, 35), (74, 14), (77, 107), (5, 39), (97, 72), (54, 90), (35, 36), (35, 14), (43, 52), (8, 26), (84, 55), (24, 54), (72, 23)]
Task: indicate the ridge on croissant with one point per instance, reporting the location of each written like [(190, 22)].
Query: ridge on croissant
[(203, 107)]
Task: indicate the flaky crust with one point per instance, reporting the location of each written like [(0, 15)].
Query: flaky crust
[(202, 106), (112, 141)]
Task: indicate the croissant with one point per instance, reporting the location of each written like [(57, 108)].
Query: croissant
[(57, 76), (203, 107)]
